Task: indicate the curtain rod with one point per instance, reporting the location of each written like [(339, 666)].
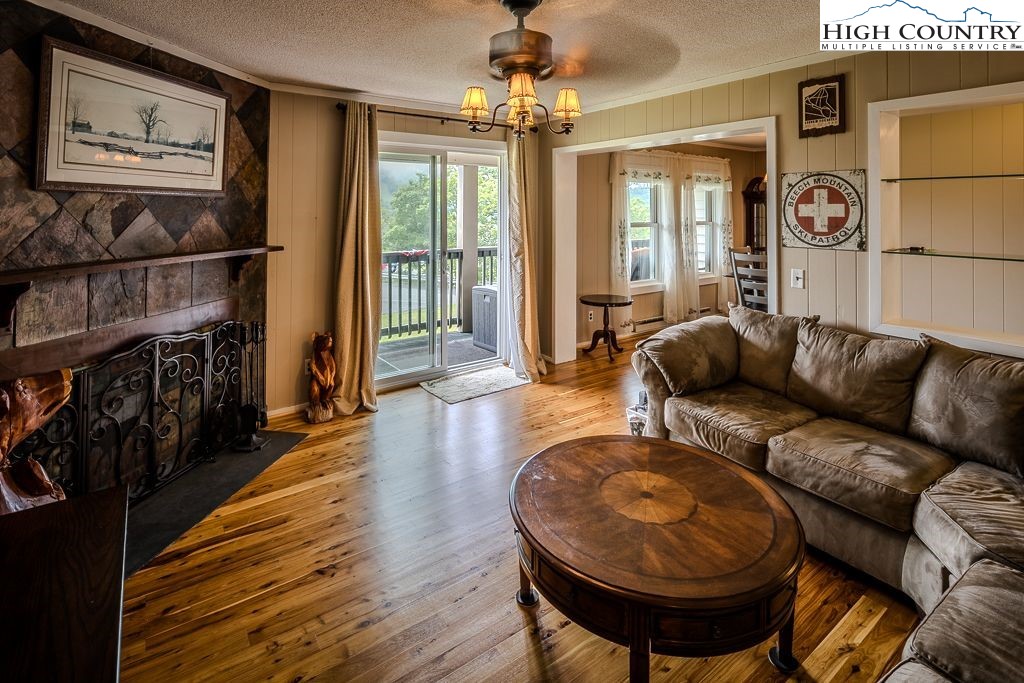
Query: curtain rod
[(435, 117)]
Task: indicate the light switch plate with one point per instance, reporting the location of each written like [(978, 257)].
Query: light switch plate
[(796, 278)]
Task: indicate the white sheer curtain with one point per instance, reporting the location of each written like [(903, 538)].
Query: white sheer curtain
[(620, 261), (678, 178), (685, 290), (723, 199), (676, 266), (713, 174), (518, 290)]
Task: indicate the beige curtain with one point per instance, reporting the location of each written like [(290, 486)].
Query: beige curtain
[(523, 217), (358, 255)]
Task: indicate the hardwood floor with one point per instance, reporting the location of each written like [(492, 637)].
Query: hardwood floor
[(381, 549)]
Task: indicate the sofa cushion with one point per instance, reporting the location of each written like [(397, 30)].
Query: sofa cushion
[(694, 356), (910, 671), (766, 345), (973, 512), (735, 420), (972, 406), (876, 474), (974, 634), (870, 381)]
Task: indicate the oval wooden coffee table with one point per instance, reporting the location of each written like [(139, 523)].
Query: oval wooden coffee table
[(661, 547)]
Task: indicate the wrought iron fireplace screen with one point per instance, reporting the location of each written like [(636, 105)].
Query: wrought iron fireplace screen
[(147, 415)]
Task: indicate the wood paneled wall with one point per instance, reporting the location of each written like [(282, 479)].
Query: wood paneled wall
[(303, 183), (305, 140), (837, 284), (305, 157), (969, 215)]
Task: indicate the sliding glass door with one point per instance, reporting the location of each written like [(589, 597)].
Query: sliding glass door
[(443, 211), (414, 272)]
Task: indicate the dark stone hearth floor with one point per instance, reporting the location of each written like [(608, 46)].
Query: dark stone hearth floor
[(159, 520)]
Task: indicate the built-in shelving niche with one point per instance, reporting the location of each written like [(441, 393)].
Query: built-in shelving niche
[(946, 217)]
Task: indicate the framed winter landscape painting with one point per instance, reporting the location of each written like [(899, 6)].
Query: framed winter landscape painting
[(106, 125)]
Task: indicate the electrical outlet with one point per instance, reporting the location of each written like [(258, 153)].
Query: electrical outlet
[(308, 366), (590, 316), (797, 279)]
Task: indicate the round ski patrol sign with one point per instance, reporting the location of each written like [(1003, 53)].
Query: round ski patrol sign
[(824, 210)]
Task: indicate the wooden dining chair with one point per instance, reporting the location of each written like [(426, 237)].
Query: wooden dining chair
[(751, 274)]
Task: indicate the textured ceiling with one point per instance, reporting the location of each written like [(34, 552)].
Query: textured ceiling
[(431, 50)]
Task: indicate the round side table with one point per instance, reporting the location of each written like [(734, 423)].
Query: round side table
[(605, 301)]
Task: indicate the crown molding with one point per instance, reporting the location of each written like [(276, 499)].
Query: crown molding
[(336, 93), (369, 98), (406, 103), (760, 70), (140, 37)]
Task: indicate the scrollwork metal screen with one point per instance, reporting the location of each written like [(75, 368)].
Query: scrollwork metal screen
[(145, 416)]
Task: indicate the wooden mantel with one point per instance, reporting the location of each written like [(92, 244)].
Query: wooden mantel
[(14, 283)]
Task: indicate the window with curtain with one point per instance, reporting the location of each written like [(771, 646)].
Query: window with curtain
[(704, 223), (643, 231)]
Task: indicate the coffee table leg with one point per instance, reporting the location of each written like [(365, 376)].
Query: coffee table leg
[(782, 654), (526, 596)]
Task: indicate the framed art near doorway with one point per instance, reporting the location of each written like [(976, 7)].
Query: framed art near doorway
[(822, 106)]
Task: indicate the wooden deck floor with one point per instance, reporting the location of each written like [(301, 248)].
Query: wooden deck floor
[(381, 549)]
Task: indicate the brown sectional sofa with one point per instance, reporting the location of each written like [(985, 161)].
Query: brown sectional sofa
[(902, 458)]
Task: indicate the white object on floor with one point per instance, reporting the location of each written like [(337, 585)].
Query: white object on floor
[(456, 388)]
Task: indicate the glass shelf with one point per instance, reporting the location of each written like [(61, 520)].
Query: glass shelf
[(953, 254), (1019, 176)]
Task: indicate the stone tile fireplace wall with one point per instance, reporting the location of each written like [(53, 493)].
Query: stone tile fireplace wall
[(55, 228)]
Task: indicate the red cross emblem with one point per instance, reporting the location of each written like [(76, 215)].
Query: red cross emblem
[(821, 210)]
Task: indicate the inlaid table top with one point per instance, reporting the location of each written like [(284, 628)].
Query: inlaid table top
[(656, 521)]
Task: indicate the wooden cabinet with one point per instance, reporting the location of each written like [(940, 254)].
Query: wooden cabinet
[(61, 594), (755, 215)]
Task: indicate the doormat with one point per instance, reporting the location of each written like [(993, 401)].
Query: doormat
[(159, 520), (457, 388)]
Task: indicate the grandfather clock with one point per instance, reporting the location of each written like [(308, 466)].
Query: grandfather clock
[(755, 215)]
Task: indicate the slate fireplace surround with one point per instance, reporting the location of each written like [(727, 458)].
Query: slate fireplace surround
[(158, 373)]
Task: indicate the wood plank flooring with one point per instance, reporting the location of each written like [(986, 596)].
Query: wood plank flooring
[(381, 549)]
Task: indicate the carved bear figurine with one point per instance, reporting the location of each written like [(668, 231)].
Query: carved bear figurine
[(321, 381)]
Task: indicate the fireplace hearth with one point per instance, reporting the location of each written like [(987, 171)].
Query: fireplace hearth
[(147, 415)]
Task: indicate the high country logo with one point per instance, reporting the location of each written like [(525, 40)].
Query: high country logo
[(936, 25)]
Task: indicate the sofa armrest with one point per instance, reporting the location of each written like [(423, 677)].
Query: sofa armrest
[(684, 359), (657, 394)]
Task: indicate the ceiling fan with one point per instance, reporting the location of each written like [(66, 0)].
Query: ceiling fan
[(521, 57)]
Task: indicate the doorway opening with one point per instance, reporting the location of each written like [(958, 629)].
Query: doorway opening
[(579, 255), (724, 217)]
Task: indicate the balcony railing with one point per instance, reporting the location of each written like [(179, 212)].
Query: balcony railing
[(406, 289)]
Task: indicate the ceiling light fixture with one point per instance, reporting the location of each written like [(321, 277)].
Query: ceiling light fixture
[(521, 57)]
